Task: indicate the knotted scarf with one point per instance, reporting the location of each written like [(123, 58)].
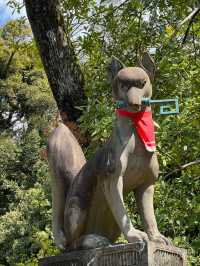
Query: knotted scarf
[(144, 126)]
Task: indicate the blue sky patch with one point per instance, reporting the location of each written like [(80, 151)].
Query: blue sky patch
[(6, 13)]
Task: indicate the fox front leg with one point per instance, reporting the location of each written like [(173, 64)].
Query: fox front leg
[(113, 190), (144, 199)]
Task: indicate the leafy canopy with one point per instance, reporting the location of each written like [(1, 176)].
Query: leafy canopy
[(99, 29)]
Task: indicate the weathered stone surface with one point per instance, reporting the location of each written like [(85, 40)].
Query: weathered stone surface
[(121, 255)]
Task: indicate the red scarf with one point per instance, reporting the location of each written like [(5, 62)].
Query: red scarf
[(144, 125)]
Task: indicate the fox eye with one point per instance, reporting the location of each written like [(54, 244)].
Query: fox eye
[(143, 82), (124, 87), (140, 83)]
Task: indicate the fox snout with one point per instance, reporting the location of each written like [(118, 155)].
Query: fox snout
[(134, 96)]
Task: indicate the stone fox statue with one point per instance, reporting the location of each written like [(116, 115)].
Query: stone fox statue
[(88, 196)]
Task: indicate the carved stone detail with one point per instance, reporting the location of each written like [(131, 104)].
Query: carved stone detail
[(121, 255)]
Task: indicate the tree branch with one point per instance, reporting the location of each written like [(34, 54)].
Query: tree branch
[(191, 17), (5, 71), (181, 167)]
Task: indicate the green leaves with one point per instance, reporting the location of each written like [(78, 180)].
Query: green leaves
[(26, 109), (177, 211), (98, 31), (126, 32)]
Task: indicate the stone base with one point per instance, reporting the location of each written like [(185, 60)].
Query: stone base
[(121, 255)]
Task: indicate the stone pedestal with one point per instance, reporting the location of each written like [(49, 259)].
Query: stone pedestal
[(121, 255)]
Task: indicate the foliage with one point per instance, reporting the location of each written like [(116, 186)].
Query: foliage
[(99, 30), (26, 109), (126, 31)]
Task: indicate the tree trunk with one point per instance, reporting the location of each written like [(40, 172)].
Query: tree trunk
[(5, 71), (57, 53)]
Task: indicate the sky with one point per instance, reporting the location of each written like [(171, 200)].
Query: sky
[(6, 13)]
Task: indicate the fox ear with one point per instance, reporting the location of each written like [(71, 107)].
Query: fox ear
[(148, 64), (113, 68)]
